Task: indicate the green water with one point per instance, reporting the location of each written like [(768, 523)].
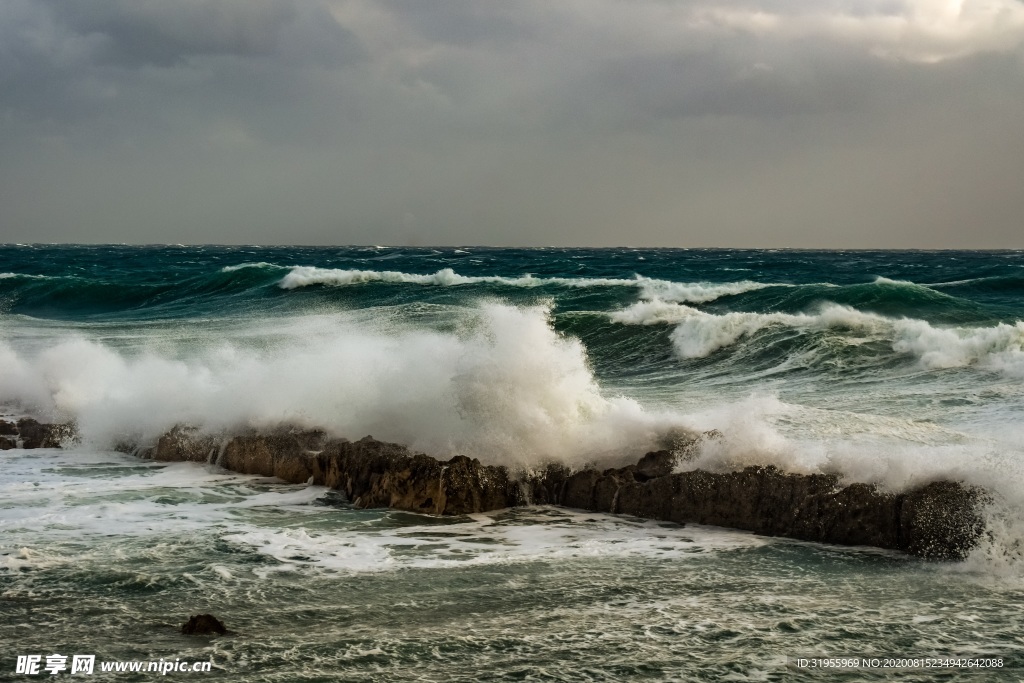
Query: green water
[(108, 555)]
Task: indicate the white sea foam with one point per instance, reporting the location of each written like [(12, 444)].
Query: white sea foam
[(998, 348), (895, 453), (57, 493), (243, 266), (697, 292), (25, 276), (652, 312), (53, 503), (543, 534), (505, 386), (881, 280), (693, 292)]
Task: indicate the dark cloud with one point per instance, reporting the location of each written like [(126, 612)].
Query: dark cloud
[(657, 122), (137, 32), (469, 23)]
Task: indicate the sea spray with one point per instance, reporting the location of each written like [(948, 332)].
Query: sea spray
[(505, 386), (111, 553)]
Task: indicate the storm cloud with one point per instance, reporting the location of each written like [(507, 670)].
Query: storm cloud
[(857, 123)]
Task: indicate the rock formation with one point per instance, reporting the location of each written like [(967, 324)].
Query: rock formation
[(203, 624), (29, 433), (940, 520)]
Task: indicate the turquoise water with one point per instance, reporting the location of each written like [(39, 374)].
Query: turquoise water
[(887, 367)]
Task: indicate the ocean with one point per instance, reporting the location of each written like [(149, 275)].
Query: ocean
[(888, 367)]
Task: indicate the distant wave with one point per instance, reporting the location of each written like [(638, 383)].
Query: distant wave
[(699, 334), (927, 291), (25, 276), (693, 292), (243, 266), (991, 283)]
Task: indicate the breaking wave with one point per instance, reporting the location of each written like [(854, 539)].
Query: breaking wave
[(698, 334), (693, 292), (506, 387)]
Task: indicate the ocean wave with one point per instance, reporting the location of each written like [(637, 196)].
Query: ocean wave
[(993, 283), (506, 386), (693, 292), (26, 276), (917, 289), (73, 296), (258, 264), (554, 535), (698, 292), (698, 333)]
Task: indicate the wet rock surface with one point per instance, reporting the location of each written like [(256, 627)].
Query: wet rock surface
[(203, 624), (29, 433), (941, 520)]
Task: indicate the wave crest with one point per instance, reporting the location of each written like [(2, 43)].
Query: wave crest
[(699, 334), (505, 387), (693, 292)]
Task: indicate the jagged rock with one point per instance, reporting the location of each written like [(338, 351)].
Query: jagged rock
[(941, 520), (34, 434), (182, 444), (545, 487), (285, 454), (203, 624), (656, 464), (377, 474), (578, 490)]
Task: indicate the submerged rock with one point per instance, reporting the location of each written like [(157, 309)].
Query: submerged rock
[(203, 624), (941, 520)]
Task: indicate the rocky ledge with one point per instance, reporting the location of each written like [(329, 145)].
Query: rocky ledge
[(28, 433), (940, 520)]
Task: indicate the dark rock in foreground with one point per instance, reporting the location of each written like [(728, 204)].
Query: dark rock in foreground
[(203, 624), (29, 433), (941, 520)]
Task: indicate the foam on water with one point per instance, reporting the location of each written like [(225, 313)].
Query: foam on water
[(66, 508), (310, 589), (788, 378), (56, 499), (694, 292), (698, 334), (893, 383), (523, 536), (505, 386), (68, 494)]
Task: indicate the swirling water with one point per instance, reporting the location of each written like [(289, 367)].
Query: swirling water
[(887, 367)]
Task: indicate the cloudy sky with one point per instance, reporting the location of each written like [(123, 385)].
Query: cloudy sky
[(779, 123)]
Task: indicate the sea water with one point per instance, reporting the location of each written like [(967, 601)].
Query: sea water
[(893, 368)]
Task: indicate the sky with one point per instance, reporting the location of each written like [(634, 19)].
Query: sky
[(678, 123)]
